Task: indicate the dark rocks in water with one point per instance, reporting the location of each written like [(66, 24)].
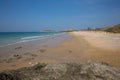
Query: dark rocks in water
[(65, 71)]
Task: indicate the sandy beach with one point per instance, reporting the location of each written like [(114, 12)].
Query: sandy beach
[(77, 47), (103, 46)]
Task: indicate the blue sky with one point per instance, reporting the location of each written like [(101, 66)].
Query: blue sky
[(36, 15)]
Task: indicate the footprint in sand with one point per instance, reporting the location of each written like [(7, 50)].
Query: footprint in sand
[(13, 65), (18, 48), (42, 50), (28, 59), (30, 54), (70, 51), (12, 58)]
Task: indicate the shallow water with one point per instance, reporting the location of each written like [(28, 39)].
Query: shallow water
[(28, 46), (8, 38)]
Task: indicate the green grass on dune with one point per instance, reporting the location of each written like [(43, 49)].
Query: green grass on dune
[(113, 29)]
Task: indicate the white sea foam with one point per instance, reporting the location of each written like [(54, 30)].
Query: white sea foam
[(32, 38), (38, 37), (35, 37)]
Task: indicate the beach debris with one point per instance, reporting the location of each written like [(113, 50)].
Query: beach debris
[(36, 62), (70, 51), (17, 56), (42, 50), (18, 47), (30, 63)]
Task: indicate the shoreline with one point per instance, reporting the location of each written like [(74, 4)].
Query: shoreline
[(73, 48), (27, 51), (33, 45)]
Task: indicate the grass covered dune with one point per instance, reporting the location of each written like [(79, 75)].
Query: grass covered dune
[(113, 29)]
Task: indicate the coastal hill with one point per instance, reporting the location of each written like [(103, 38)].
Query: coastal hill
[(114, 29), (67, 30)]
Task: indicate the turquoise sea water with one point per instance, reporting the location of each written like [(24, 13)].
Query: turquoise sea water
[(9, 38)]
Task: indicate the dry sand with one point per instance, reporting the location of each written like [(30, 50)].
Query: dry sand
[(83, 47), (102, 46), (103, 40)]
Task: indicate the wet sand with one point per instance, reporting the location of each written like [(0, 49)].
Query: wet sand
[(76, 47)]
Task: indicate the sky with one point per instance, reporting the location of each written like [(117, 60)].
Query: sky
[(37, 15)]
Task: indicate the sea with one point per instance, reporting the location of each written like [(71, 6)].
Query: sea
[(10, 38)]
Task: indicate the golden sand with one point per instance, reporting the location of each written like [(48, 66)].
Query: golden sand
[(83, 47)]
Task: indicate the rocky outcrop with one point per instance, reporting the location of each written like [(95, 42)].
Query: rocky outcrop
[(65, 71)]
